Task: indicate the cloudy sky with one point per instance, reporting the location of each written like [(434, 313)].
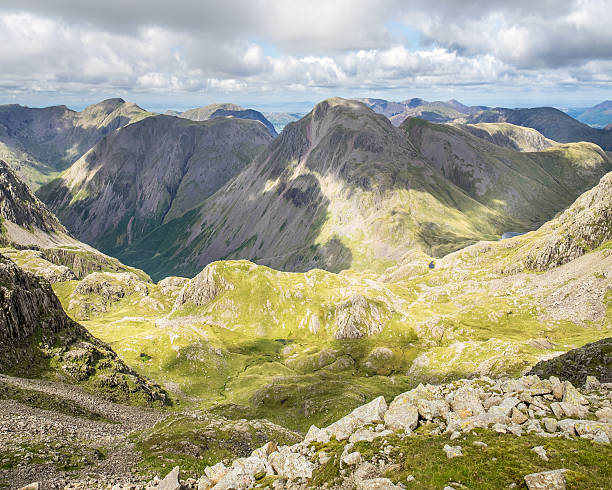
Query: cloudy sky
[(276, 54)]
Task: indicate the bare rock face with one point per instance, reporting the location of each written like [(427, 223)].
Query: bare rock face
[(36, 334), (357, 318), (20, 206), (581, 228)]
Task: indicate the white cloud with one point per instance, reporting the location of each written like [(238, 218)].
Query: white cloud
[(280, 47)]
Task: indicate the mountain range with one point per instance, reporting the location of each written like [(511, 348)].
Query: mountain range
[(343, 187), (255, 286)]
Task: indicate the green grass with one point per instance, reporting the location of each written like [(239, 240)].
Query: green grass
[(505, 461)]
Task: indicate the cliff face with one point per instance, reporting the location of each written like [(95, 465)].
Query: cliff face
[(37, 338), (19, 205), (584, 226)]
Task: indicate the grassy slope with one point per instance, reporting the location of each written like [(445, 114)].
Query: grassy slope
[(251, 352)]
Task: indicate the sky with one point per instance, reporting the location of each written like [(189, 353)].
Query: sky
[(287, 54)]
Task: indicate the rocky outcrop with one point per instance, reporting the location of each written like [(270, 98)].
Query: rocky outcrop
[(36, 337), (450, 411), (577, 365), (20, 206), (358, 318), (203, 288), (97, 292), (586, 225)]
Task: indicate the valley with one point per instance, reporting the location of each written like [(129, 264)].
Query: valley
[(216, 291)]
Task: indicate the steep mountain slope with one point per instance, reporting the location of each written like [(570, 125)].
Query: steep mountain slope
[(26, 223), (531, 187), (38, 339), (148, 173), (551, 122), (598, 116), (38, 143), (340, 188), (228, 110), (583, 227)]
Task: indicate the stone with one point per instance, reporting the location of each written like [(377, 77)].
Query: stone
[(601, 438), (572, 395), (541, 387), (518, 417), (466, 402), (31, 486), (264, 451), (604, 414), (491, 401), (480, 444), (351, 459), (452, 451), (410, 478), (517, 430), (402, 415), (507, 404), (216, 472), (574, 410), (567, 426), (557, 410), (550, 424), (455, 435), (171, 480), (592, 383), (368, 435), (557, 387), (366, 414), (205, 483), (235, 479), (546, 480), (315, 434), (431, 409), (376, 484), (291, 465), (592, 427), (541, 452)]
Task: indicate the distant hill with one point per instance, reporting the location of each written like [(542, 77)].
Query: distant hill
[(281, 119), (228, 110), (551, 122), (598, 116), (148, 173), (39, 143), (437, 111)]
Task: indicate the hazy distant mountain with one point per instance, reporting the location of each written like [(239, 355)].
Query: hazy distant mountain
[(598, 116), (436, 111), (148, 173), (344, 188), (281, 119), (228, 110), (39, 143)]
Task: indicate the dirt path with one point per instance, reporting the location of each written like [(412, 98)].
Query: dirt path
[(53, 448)]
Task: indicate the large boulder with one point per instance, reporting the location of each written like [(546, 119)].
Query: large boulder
[(546, 480)]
